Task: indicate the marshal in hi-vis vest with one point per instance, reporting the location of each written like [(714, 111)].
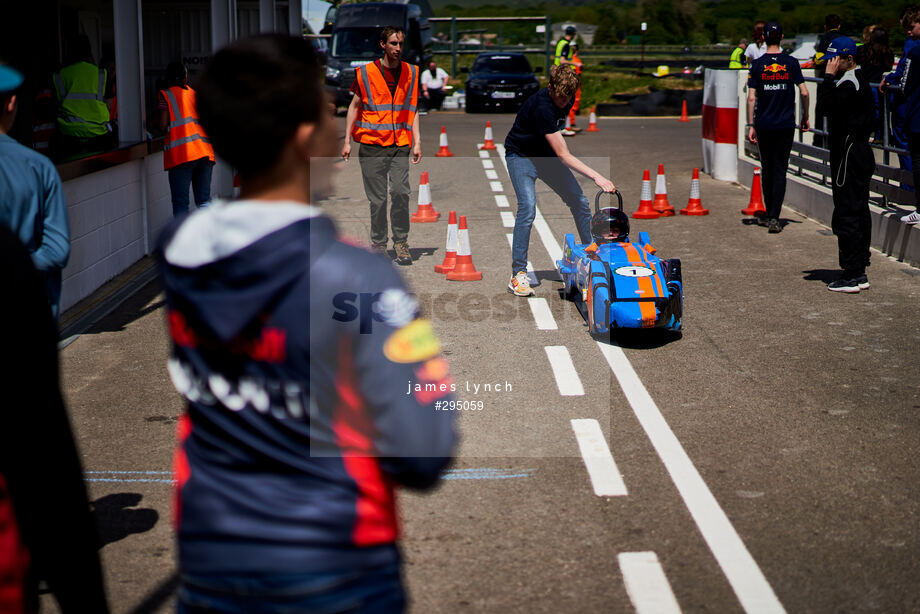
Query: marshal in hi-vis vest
[(80, 91), (186, 140), (386, 120)]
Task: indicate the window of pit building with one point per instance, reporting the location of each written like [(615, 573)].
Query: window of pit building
[(68, 106)]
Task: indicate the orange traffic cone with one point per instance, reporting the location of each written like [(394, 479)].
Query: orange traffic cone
[(425, 212), (488, 142), (695, 205), (444, 152), (464, 269), (756, 205), (661, 204), (646, 211), (683, 112), (592, 122), (450, 252)]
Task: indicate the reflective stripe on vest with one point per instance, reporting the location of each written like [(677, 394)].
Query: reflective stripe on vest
[(80, 90), (185, 141), (386, 119)]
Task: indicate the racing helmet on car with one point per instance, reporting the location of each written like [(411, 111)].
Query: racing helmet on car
[(610, 225)]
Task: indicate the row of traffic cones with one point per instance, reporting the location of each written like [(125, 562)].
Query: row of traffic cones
[(458, 258), (660, 207), (489, 140)]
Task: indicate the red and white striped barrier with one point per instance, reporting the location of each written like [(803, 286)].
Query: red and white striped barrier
[(720, 124)]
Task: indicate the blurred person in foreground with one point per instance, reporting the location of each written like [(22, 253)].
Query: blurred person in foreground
[(47, 532), (847, 102), (294, 350), (31, 196)]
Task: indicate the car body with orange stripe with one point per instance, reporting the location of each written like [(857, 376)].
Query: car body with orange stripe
[(622, 285)]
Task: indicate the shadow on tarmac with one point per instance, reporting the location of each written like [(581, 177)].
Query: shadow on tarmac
[(639, 339), (134, 308), (116, 520), (825, 276), (158, 596)]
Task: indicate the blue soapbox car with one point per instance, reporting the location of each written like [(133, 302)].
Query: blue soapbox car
[(618, 284)]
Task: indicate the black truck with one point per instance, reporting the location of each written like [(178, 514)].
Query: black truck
[(355, 40)]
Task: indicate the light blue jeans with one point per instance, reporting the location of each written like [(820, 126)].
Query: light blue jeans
[(524, 173)]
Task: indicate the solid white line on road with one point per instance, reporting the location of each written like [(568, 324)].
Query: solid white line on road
[(605, 477), (496, 186), (501, 200), (491, 174), (546, 236), (542, 314), (564, 371), (483, 154), (530, 272), (507, 219), (646, 583), (739, 567), (486, 163)]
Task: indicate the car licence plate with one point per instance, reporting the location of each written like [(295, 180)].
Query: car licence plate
[(502, 94)]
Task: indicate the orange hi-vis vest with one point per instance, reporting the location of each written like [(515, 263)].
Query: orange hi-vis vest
[(386, 120), (186, 140)]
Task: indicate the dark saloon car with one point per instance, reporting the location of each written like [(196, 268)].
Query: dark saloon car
[(500, 81)]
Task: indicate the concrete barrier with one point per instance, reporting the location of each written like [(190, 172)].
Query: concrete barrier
[(720, 123)]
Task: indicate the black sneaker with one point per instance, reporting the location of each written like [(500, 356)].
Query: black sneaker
[(761, 220), (863, 282), (847, 285), (773, 226)]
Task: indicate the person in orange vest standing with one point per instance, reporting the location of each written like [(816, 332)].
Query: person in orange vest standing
[(382, 118), (577, 64), (188, 157)]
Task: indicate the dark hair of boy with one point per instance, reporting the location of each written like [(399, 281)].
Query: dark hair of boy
[(773, 38), (389, 31), (253, 95), (175, 74), (831, 22), (910, 16)]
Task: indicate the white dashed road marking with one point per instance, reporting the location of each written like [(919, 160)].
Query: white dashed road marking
[(496, 186), (542, 314), (646, 583), (483, 154), (564, 371), (491, 174), (605, 477), (507, 219), (739, 567), (501, 200), (487, 163)]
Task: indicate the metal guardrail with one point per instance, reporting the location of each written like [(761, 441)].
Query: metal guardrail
[(454, 51), (813, 162)]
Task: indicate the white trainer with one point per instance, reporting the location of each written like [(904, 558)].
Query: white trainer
[(912, 218), (520, 285)]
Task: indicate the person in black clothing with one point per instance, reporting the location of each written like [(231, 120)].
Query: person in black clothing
[(46, 529), (771, 90), (831, 31), (850, 108)]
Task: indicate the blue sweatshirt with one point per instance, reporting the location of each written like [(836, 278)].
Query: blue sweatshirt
[(295, 352), (32, 206)]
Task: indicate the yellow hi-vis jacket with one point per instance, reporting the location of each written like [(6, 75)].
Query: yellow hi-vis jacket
[(384, 119), (560, 53), (80, 90), (737, 59), (185, 140)]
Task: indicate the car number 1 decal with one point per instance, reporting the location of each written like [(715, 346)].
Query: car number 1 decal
[(634, 271)]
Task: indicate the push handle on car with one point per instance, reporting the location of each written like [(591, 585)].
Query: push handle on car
[(597, 200)]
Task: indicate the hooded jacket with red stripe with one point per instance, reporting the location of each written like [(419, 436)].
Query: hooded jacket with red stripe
[(295, 352)]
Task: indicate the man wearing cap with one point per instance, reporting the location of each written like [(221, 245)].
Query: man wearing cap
[(33, 204), (846, 100), (772, 80), (563, 47)]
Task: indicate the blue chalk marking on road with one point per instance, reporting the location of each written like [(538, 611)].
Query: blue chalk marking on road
[(126, 480), (124, 477), (128, 472), (487, 473)]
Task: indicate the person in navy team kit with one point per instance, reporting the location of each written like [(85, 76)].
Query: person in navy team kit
[(847, 102), (772, 80), (535, 150), (293, 350)]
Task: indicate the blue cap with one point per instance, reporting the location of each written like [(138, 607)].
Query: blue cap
[(842, 45), (10, 78)]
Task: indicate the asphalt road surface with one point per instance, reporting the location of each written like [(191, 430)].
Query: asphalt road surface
[(765, 461)]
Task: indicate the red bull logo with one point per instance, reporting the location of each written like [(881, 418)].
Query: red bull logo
[(774, 68)]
